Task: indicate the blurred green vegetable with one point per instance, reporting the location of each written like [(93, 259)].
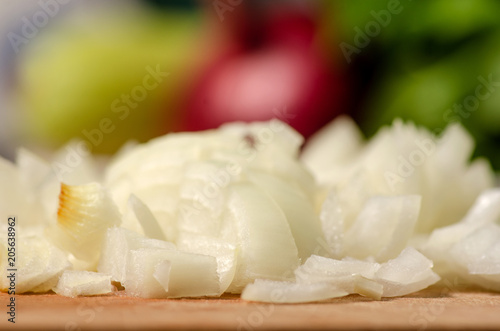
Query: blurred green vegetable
[(429, 59), (83, 69)]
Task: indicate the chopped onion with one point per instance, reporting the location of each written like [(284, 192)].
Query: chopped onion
[(235, 209), (85, 213), (298, 209), (262, 228), (116, 247), (383, 227), (409, 272), (146, 218), (39, 265), (264, 290), (165, 273), (468, 249), (75, 283)]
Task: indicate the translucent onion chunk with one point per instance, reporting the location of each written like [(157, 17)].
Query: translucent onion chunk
[(322, 278), (288, 292), (74, 283), (238, 209), (38, 262)]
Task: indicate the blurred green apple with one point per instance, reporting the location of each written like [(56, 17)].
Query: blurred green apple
[(107, 78)]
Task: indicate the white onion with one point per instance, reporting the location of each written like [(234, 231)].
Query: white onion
[(157, 273), (147, 220), (298, 209), (235, 209), (116, 247), (261, 228), (85, 213), (400, 160), (409, 272), (468, 249), (383, 227), (39, 265), (287, 292), (75, 283)]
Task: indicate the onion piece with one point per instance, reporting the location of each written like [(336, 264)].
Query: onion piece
[(351, 276), (410, 272), (486, 209), (16, 198), (225, 253), (299, 211), (85, 213), (40, 183), (467, 237), (262, 228), (477, 257), (146, 218), (115, 249), (383, 227), (74, 283), (163, 273), (332, 223), (39, 265), (264, 290), (330, 151), (368, 288), (74, 165), (322, 267)]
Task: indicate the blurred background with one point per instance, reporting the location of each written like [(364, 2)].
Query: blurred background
[(109, 71)]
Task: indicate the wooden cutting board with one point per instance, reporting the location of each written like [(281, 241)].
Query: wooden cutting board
[(430, 309)]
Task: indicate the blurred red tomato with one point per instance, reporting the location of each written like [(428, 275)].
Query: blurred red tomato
[(272, 67)]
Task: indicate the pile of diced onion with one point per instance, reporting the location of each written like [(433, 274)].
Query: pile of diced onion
[(241, 210)]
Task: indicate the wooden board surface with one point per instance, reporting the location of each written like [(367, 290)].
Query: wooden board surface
[(427, 310)]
